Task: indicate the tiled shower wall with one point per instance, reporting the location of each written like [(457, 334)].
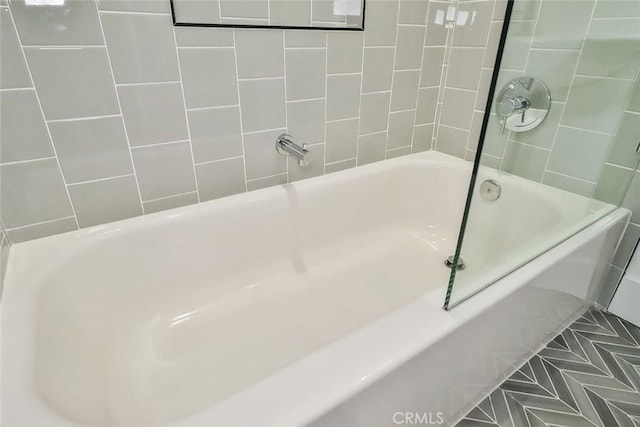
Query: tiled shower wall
[(108, 111), (588, 53)]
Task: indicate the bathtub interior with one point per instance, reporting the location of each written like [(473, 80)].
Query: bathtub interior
[(183, 309), (527, 220)]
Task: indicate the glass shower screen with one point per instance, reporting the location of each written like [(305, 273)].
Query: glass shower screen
[(547, 167)]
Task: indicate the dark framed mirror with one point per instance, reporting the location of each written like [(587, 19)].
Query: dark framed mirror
[(342, 15)]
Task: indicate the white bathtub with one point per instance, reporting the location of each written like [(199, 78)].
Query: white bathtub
[(318, 302)]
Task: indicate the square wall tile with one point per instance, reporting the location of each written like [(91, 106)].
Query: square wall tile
[(153, 113), (422, 136), (436, 30), (154, 6), (305, 73), (400, 129), (141, 47), (623, 150), (261, 158), (215, 133), (465, 66), (197, 11), (381, 23), (257, 184), (596, 104), (170, 202), (164, 170), (579, 153), (315, 158), (409, 47), (23, 132), (612, 184), (342, 140), (398, 152), (377, 69), (204, 37), (427, 103), (405, 90), (254, 9), (209, 77), (457, 108), (343, 96), (72, 23), (374, 112), (73, 82), (555, 68), (260, 53), (472, 23), (413, 12), (617, 9), (603, 58), (91, 149), (305, 120), (567, 183), (33, 192), (492, 44), (433, 58), (452, 141), (105, 201), (525, 161), (372, 148), (221, 178), (563, 24), (44, 229), (291, 12), (340, 166), (13, 68), (304, 38), (263, 105), (344, 52)]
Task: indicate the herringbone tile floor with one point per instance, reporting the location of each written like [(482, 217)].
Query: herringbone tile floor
[(589, 375)]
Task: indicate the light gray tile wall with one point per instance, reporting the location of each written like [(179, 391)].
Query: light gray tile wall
[(122, 114)]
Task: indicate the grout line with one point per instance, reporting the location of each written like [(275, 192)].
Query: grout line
[(393, 78), (64, 47), (212, 108), (39, 223), (343, 74), (344, 120), (127, 12), (147, 83), (17, 162), (186, 116), (55, 152), (170, 197), (326, 86), (262, 131), (284, 83), (572, 177), (303, 100), (260, 78), (16, 89), (89, 181), (154, 144), (77, 119), (266, 177), (203, 47), (359, 103), (242, 134)]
